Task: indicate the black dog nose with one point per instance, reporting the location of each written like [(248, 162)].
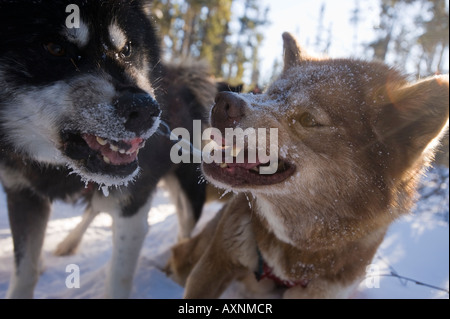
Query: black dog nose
[(228, 110), (139, 110)]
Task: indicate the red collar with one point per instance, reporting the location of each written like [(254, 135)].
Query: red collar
[(265, 271)]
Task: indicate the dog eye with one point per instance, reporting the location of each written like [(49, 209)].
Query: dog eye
[(126, 51), (55, 49), (307, 120)]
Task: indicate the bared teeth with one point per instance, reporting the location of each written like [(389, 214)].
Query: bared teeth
[(106, 160), (133, 151), (101, 141), (113, 148)]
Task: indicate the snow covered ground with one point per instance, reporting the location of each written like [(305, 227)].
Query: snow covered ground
[(412, 262)]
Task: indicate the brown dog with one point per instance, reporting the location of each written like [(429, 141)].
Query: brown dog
[(354, 138)]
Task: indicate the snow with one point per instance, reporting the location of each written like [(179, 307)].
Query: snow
[(416, 247)]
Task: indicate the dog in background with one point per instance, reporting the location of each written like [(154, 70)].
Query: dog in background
[(80, 114), (354, 139)]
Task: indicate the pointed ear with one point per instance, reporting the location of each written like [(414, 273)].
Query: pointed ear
[(294, 55), (416, 116)]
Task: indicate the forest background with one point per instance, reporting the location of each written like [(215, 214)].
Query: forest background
[(236, 37), (230, 35)]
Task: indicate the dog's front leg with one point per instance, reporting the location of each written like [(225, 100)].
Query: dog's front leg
[(212, 275), (128, 236), (28, 216), (129, 232), (207, 282), (228, 256), (70, 244)]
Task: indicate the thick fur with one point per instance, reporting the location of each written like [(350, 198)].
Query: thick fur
[(61, 88), (359, 135)]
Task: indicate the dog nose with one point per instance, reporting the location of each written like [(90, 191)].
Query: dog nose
[(139, 110), (228, 110)]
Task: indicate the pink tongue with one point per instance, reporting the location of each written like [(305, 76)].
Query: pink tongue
[(135, 144), (115, 158)]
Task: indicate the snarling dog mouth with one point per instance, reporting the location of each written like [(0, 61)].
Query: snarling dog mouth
[(102, 144), (99, 155), (236, 168), (249, 172)]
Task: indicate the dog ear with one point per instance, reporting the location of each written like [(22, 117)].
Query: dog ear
[(416, 116), (294, 55)]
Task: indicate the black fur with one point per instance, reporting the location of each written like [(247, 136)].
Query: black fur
[(25, 27)]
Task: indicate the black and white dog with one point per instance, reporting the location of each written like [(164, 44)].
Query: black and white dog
[(81, 103)]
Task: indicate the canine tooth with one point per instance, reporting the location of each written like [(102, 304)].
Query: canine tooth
[(101, 141), (114, 148), (107, 160)]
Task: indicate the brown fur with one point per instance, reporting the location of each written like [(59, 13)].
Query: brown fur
[(194, 75), (355, 174)]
